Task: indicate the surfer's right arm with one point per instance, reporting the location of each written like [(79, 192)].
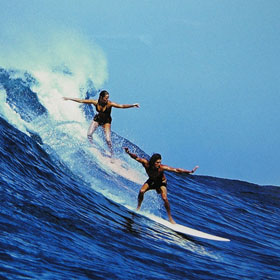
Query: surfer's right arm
[(134, 156), (86, 101), (179, 170)]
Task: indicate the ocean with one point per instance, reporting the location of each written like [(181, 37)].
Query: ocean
[(66, 208)]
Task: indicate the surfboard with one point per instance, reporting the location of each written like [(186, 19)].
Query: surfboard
[(183, 229), (187, 230)]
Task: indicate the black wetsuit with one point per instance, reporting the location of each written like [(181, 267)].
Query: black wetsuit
[(103, 116), (156, 179)]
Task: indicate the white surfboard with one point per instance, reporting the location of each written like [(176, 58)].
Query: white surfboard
[(186, 230), (179, 228)]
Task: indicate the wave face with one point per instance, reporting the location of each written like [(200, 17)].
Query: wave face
[(65, 207)]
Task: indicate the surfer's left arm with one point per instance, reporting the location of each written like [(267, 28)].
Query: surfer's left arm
[(124, 106), (179, 170), (134, 156), (85, 101)]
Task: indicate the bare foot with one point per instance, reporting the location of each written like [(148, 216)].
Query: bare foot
[(172, 221)]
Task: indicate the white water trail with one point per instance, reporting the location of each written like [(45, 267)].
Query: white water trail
[(63, 63)]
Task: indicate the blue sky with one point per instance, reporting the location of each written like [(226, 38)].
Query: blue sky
[(206, 74)]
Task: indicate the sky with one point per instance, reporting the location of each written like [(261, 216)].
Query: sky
[(206, 74)]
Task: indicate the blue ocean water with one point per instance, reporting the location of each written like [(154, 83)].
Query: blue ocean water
[(64, 207)]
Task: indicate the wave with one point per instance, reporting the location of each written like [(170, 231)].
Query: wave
[(65, 206)]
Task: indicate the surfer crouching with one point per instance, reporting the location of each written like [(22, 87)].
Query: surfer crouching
[(157, 180)]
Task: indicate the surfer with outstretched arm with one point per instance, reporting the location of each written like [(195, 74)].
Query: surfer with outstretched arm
[(103, 106), (157, 180)]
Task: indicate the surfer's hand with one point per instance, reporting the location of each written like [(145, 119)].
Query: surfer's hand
[(126, 150), (65, 98), (196, 167), (136, 105)]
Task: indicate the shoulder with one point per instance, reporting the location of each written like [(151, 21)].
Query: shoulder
[(110, 104), (166, 167), (144, 162)]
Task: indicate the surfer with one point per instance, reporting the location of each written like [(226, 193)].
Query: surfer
[(157, 180), (103, 106)]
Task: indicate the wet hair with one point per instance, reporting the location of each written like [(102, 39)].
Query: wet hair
[(153, 159), (102, 94)]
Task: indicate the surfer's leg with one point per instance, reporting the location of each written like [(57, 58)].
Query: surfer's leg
[(107, 131), (163, 191), (91, 129), (142, 191)]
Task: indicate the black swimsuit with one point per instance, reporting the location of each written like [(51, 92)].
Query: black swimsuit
[(157, 180), (103, 116)]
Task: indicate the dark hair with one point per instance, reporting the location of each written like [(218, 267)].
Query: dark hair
[(102, 94), (153, 159)]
